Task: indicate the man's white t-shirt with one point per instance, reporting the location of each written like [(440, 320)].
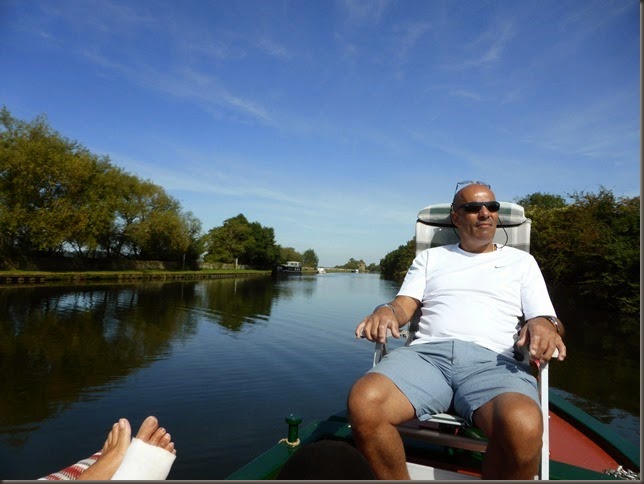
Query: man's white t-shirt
[(476, 297)]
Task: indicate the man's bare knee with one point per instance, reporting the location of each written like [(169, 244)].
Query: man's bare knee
[(367, 393), (526, 421), (375, 399), (512, 421), (513, 425), (376, 405)]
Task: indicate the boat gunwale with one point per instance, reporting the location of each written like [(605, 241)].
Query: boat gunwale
[(336, 426), (615, 445)]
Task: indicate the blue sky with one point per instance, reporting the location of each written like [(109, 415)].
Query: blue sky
[(335, 122)]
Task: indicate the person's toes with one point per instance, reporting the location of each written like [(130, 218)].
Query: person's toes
[(170, 448), (108, 440), (165, 440), (124, 436), (152, 434), (148, 428), (166, 444), (157, 437), (111, 437)]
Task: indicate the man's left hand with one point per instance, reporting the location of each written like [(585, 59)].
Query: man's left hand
[(543, 340)]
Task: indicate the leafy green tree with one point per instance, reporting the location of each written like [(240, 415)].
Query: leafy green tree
[(56, 196), (310, 258), (395, 264), (196, 245), (540, 200), (228, 242), (161, 231), (262, 252), (353, 264), (239, 241), (112, 195), (94, 212), (46, 184), (289, 253), (592, 244)]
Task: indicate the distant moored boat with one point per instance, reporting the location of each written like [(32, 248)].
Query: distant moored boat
[(291, 267)]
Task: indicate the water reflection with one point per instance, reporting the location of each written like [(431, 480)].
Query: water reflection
[(55, 342), (232, 303), (603, 356), (227, 358)]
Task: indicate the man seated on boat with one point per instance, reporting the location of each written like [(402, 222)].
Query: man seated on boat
[(473, 297)]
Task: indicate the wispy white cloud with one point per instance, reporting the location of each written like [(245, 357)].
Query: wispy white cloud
[(107, 20), (411, 33), (364, 11), (584, 131), (487, 49), (274, 49), (576, 25), (407, 38), (184, 176), (466, 94), (205, 90), (449, 145), (512, 95), (215, 49), (103, 19), (348, 50)]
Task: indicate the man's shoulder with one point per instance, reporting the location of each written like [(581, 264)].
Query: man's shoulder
[(515, 254), (438, 254), (440, 248)]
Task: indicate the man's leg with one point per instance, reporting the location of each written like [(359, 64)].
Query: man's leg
[(376, 406), (513, 425)]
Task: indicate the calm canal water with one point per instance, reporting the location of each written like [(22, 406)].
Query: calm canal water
[(222, 363)]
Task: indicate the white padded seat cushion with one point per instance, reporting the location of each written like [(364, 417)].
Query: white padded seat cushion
[(439, 214)]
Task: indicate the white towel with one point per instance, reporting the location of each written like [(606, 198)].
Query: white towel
[(143, 462)]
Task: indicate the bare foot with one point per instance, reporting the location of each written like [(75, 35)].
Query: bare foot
[(118, 440), (117, 443), (150, 455), (152, 434)]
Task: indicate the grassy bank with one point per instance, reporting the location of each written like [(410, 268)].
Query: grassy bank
[(35, 277)]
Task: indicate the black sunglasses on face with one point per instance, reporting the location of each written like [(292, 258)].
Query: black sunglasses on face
[(475, 207)]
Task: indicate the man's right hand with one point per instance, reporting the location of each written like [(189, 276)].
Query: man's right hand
[(374, 327)]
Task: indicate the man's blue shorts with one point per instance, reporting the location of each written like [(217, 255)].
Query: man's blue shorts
[(435, 375)]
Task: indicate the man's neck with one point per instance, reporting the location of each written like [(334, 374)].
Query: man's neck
[(478, 249)]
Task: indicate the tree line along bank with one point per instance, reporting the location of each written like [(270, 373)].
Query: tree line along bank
[(61, 205), (65, 208)]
